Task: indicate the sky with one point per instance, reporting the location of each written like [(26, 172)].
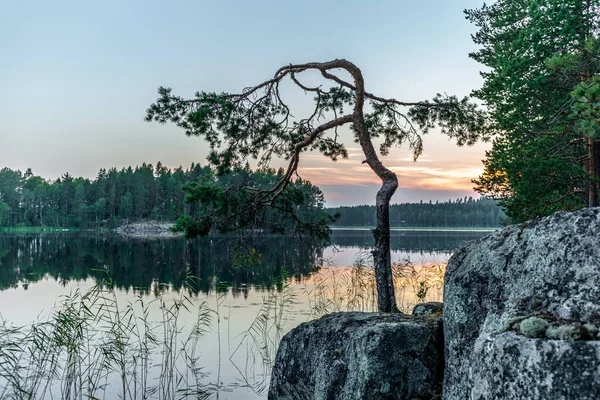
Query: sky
[(76, 78)]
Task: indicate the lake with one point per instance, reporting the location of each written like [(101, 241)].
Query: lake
[(170, 318)]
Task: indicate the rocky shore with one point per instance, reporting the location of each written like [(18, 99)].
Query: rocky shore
[(520, 320), (148, 230)]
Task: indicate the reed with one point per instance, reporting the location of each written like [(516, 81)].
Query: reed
[(95, 345), (354, 289), (90, 346)]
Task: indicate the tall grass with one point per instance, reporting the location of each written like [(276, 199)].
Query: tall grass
[(355, 289), (95, 345), (92, 347), (258, 344)]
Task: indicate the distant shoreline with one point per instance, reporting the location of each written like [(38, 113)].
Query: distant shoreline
[(38, 229), (420, 228)]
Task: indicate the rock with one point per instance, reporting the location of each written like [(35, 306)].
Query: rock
[(516, 367), (591, 330), (548, 268), (147, 230), (425, 309), (360, 356)]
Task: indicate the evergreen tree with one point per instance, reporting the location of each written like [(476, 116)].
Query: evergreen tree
[(258, 124), (134, 194), (542, 61), (460, 213)]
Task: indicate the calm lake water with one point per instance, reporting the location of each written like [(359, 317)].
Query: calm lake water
[(249, 298)]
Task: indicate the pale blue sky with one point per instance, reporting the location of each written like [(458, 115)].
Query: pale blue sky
[(77, 76)]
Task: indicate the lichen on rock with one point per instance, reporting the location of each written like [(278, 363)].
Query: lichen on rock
[(347, 356), (500, 292), (565, 332), (427, 309)]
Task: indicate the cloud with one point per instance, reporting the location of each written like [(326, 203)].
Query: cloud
[(338, 195), (444, 171), (430, 178)]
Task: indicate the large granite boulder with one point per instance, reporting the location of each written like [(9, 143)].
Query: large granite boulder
[(360, 356), (522, 311)]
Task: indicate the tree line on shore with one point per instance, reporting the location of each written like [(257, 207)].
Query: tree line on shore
[(158, 193), (146, 192), (466, 212)]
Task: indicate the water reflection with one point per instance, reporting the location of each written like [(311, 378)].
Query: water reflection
[(238, 345), (408, 241), (220, 263)]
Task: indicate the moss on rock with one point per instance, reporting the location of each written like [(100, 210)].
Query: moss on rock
[(565, 332), (533, 327)]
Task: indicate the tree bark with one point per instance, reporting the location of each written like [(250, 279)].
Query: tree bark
[(386, 298), (592, 172), (597, 158)]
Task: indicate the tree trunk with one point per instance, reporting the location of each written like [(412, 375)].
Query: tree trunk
[(592, 171), (386, 299)]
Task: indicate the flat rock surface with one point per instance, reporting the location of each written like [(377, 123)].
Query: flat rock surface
[(360, 356), (549, 268)]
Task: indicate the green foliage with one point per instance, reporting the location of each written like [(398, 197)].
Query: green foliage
[(422, 291), (257, 124), (533, 327), (586, 107), (232, 202), (209, 115), (195, 196), (541, 58), (79, 202)]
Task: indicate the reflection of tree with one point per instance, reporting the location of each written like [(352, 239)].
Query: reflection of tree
[(134, 264), (413, 241)]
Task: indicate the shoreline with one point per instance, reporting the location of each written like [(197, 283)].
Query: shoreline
[(159, 226)]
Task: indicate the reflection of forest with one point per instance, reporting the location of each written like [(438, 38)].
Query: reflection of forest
[(410, 241), (136, 264)]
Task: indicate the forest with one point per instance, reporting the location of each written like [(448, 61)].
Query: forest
[(542, 92), (146, 192), (155, 192), (465, 212)]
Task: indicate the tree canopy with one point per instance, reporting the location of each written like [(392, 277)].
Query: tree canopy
[(259, 124), (147, 192), (541, 88)]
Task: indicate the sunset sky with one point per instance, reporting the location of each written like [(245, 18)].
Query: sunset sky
[(76, 78)]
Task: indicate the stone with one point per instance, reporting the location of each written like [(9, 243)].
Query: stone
[(360, 356), (148, 230), (591, 330), (516, 367), (548, 268), (425, 309)]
